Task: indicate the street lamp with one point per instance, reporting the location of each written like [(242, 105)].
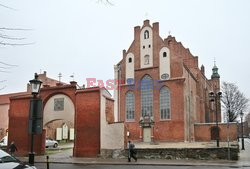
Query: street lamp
[(215, 97), (242, 131), (35, 85), (35, 88)]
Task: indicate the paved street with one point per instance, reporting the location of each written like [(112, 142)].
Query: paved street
[(72, 166)]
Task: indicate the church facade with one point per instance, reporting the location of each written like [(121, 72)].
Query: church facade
[(162, 92)]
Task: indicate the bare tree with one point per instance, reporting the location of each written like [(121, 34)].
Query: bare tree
[(233, 101), (6, 39)]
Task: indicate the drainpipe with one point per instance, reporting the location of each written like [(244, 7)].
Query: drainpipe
[(119, 91)]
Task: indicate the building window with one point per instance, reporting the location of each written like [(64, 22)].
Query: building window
[(147, 85), (129, 60), (164, 54), (146, 34), (165, 103), (58, 104), (146, 60), (143, 47), (130, 106), (149, 46)]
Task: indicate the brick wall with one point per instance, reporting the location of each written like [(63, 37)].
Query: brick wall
[(18, 128), (2, 133), (109, 110), (87, 123), (4, 108), (203, 131), (112, 134)]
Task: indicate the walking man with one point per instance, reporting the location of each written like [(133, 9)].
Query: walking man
[(131, 151), (12, 148)]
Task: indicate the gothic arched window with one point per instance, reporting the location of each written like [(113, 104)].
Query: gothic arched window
[(147, 85), (146, 34), (165, 103), (130, 106)]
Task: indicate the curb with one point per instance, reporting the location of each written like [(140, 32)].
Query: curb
[(148, 164), (233, 164)]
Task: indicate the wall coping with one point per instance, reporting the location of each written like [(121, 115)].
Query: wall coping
[(91, 89), (203, 124), (57, 87), (27, 96), (108, 98)]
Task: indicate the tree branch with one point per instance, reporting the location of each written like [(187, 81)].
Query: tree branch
[(8, 7), (10, 38), (3, 71), (6, 64), (2, 88), (106, 2), (3, 81), (16, 44), (15, 29)]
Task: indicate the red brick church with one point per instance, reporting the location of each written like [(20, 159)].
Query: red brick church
[(163, 94)]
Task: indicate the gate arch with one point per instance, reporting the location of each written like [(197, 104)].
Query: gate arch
[(58, 110)]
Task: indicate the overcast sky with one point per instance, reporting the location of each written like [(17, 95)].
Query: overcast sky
[(87, 38)]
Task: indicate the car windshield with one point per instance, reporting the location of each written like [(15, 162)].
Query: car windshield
[(7, 159)]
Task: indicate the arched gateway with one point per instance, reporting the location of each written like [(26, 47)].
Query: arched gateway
[(59, 111), (89, 111)]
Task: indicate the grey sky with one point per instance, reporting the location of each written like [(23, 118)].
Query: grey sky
[(87, 38)]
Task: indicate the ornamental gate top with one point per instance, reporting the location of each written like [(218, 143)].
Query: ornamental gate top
[(146, 121)]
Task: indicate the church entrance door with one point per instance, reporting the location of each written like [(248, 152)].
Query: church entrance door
[(147, 134)]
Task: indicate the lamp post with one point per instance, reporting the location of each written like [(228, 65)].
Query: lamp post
[(35, 88), (242, 131), (215, 97)]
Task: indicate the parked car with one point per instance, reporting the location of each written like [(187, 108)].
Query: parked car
[(9, 162), (51, 143), (4, 141)]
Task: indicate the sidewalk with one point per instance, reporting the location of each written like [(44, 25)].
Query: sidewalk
[(151, 162), (65, 157), (244, 155)]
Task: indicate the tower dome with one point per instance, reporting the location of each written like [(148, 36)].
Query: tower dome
[(215, 72)]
